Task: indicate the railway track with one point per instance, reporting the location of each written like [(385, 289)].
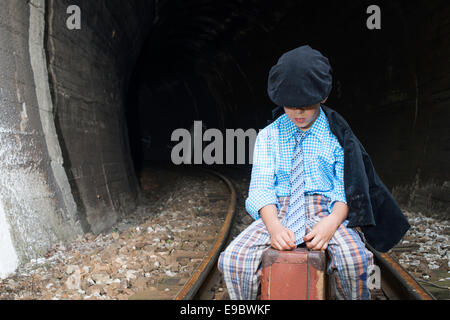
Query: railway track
[(396, 282)]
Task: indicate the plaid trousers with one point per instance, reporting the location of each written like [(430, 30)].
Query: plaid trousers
[(350, 259)]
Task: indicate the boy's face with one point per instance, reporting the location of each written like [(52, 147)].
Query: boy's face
[(303, 117)]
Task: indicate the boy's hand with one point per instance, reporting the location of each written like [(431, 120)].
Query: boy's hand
[(321, 233), (281, 238)]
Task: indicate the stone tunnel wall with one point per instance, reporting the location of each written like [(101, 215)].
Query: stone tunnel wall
[(65, 166), (89, 70), (395, 91)]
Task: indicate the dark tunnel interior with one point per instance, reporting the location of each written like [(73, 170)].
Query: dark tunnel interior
[(209, 61)]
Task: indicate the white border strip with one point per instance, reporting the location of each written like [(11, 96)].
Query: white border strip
[(9, 260)]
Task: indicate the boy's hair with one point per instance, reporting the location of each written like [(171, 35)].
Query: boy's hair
[(302, 77)]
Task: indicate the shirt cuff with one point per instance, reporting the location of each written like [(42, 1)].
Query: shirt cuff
[(259, 200), (333, 201)]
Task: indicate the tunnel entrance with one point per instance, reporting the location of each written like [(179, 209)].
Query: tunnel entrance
[(87, 110)]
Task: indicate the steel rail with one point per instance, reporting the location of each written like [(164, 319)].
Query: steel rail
[(194, 283), (396, 282)]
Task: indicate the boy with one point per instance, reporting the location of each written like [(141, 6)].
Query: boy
[(298, 194)]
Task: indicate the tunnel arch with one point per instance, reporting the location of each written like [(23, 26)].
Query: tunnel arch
[(137, 68)]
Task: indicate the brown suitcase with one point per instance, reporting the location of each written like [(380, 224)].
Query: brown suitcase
[(298, 274)]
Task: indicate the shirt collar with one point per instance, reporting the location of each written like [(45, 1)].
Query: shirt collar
[(318, 129)]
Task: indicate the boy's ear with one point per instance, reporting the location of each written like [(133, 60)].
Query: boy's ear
[(324, 100)]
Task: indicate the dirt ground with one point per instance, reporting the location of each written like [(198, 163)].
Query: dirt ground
[(165, 238), (161, 242)]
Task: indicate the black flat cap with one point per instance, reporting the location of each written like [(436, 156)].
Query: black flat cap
[(302, 77)]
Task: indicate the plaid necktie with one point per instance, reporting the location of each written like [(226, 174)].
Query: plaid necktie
[(295, 217)]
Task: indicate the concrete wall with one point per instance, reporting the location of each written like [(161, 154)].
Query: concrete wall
[(36, 207), (65, 166), (89, 71)]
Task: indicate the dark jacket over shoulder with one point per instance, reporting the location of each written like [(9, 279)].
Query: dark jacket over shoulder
[(371, 205)]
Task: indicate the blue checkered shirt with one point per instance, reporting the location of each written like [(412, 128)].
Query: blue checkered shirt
[(273, 151)]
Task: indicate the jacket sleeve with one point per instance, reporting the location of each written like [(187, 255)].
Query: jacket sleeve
[(262, 183)]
